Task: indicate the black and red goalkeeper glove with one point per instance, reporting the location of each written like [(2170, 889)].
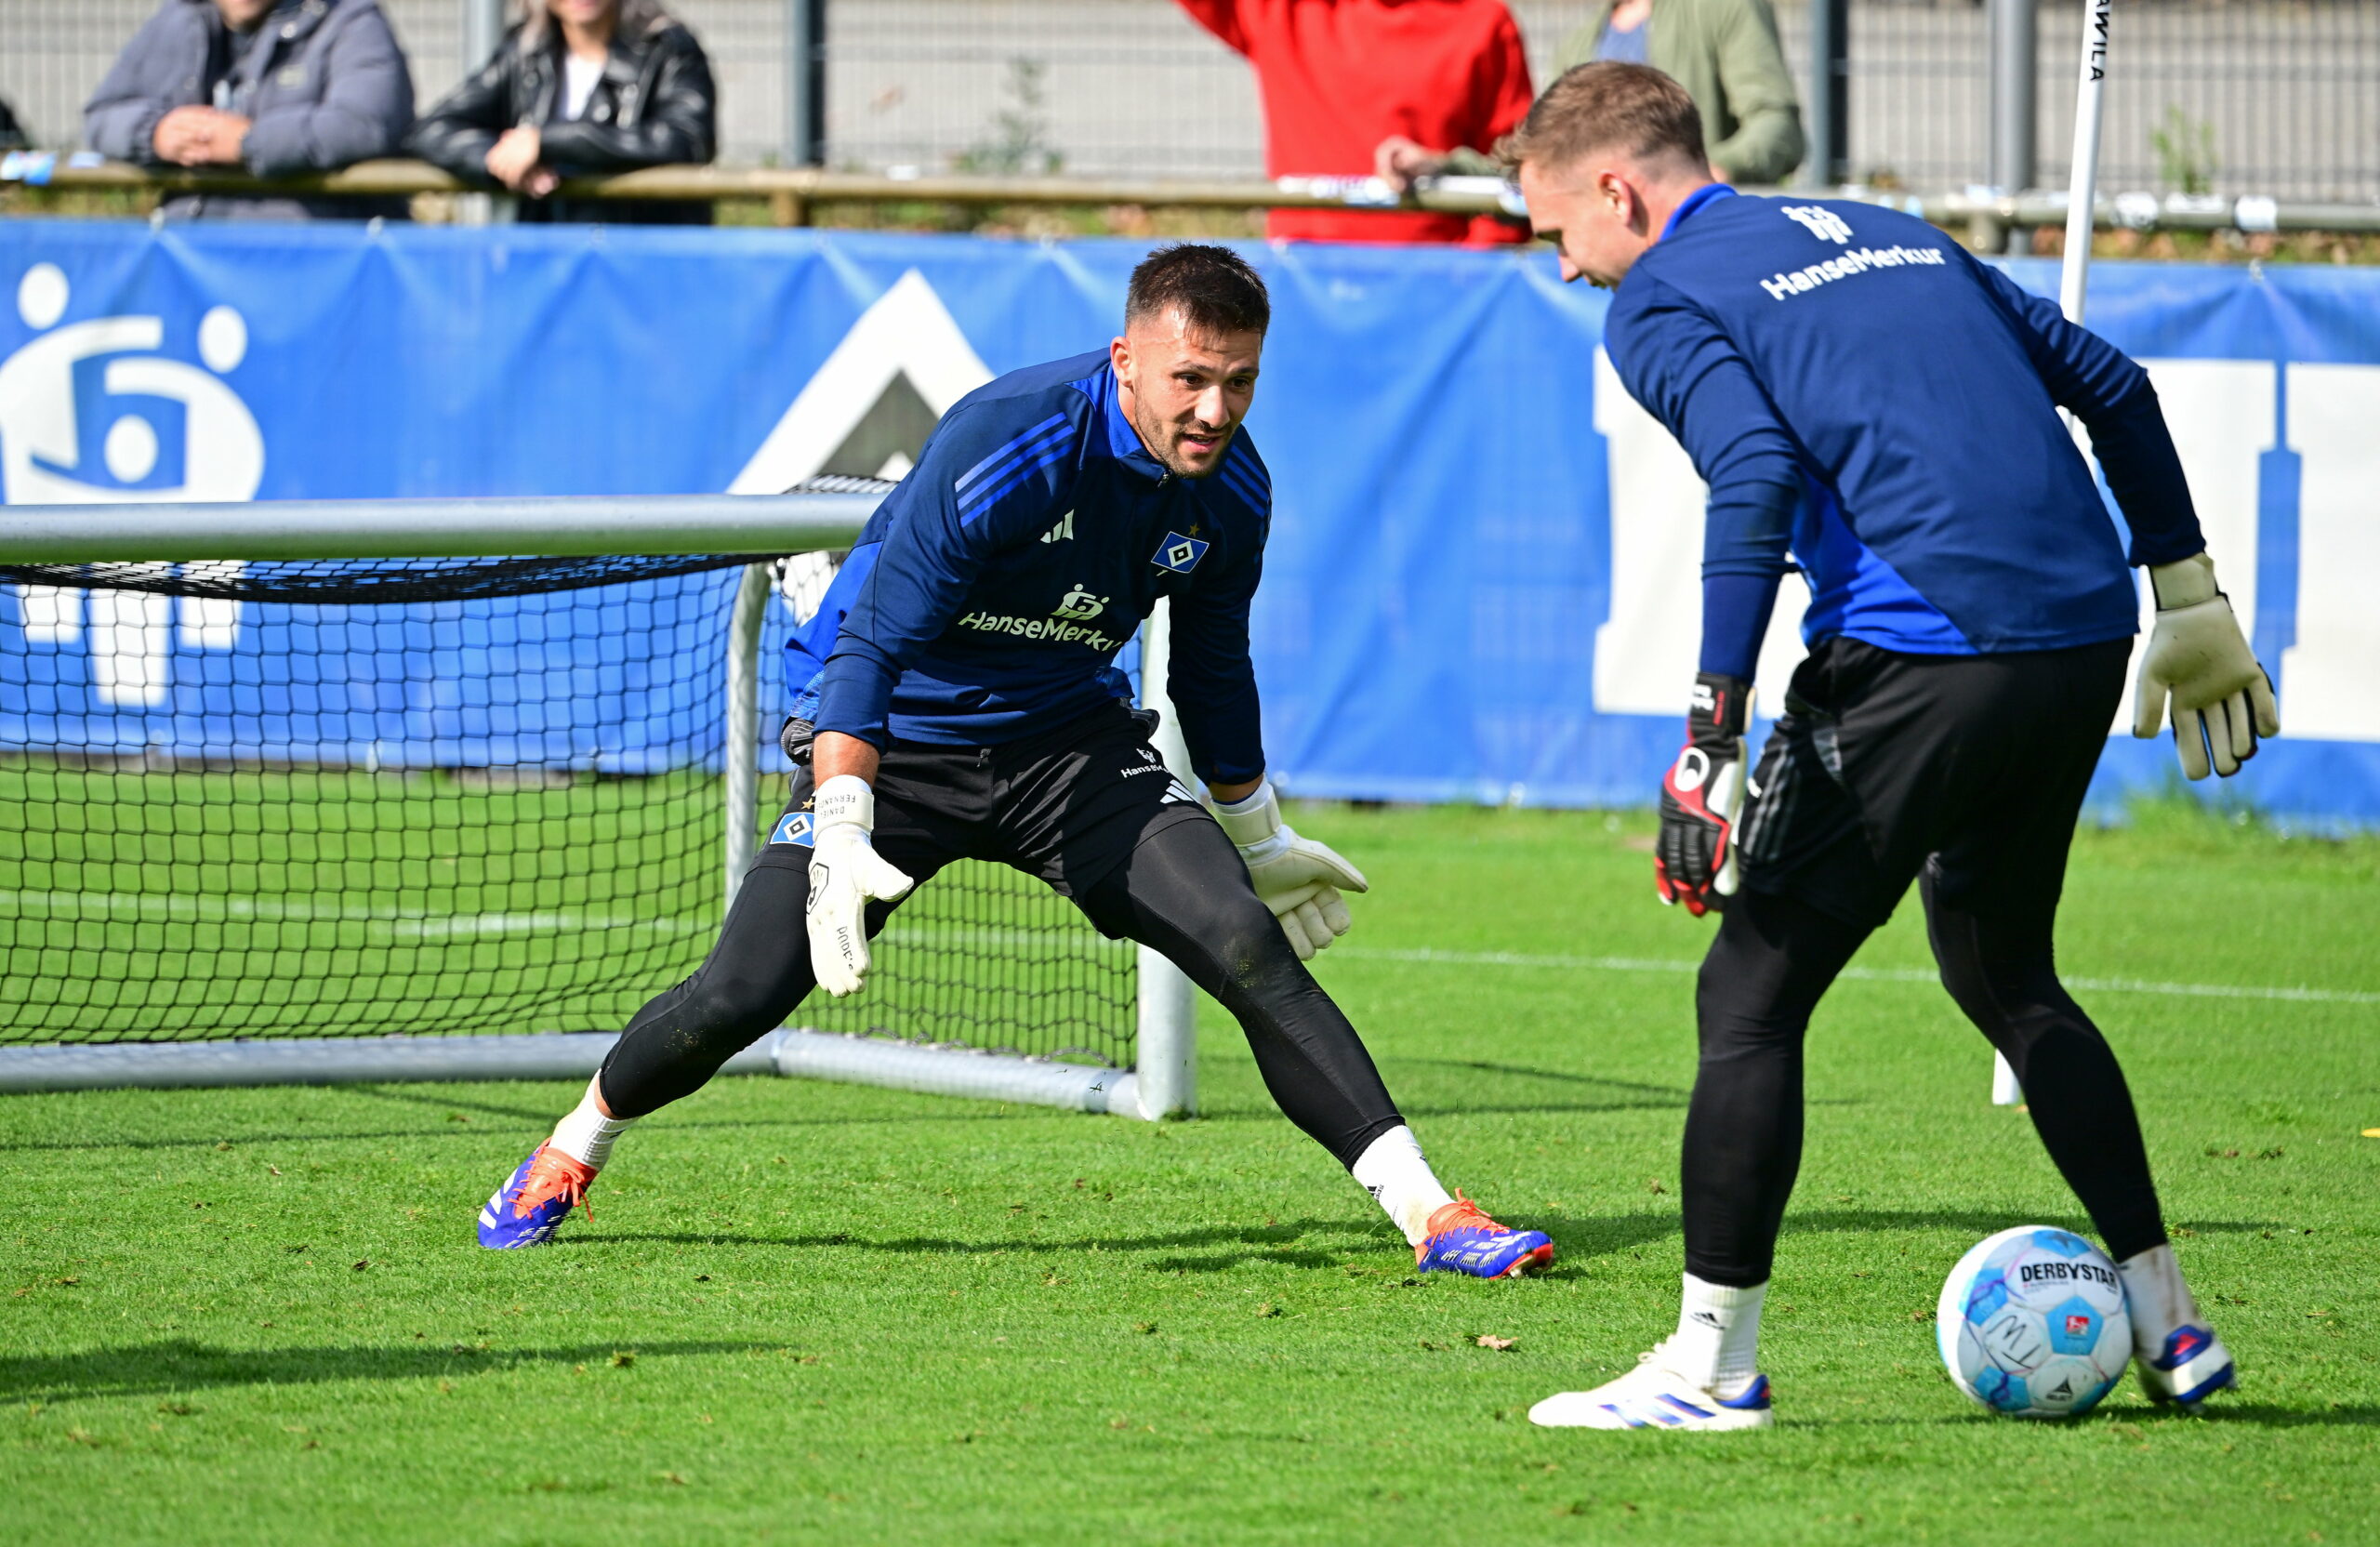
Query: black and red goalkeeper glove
[(1693, 860)]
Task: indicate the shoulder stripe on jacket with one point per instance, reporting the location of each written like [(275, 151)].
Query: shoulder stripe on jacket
[(1016, 445), (987, 494), (1245, 480), (1238, 483)]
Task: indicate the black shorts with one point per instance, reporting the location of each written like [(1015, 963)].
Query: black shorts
[(1975, 766), (1068, 805)]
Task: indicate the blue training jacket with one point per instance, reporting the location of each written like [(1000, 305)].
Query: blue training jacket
[(990, 593), (1849, 381)]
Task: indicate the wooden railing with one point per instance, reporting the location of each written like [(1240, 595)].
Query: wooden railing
[(792, 192)]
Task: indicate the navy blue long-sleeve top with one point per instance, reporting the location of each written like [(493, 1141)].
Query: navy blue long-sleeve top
[(988, 595), (1856, 388)]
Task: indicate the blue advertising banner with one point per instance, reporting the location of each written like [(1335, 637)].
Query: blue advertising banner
[(1482, 578)]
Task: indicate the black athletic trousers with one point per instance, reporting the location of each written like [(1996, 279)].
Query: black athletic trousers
[(1966, 772), (1181, 890)]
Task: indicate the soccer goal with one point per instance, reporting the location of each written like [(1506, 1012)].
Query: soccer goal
[(314, 791)]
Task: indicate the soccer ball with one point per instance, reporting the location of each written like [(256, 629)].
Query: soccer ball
[(2033, 1323)]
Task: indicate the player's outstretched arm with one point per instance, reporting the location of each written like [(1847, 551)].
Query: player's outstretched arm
[(1300, 879), (846, 873), (2198, 659)]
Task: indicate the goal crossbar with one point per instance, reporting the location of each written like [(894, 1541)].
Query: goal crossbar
[(561, 528), (1161, 1084)]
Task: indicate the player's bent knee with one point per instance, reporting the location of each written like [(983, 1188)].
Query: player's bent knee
[(1744, 997), (1249, 951), (2018, 1004), (1969, 988), (742, 1006), (1186, 893), (1996, 986), (668, 1055)]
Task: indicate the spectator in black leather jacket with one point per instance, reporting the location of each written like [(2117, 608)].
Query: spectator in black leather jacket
[(579, 87)]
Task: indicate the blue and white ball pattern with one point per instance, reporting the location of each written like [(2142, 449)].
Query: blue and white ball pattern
[(2033, 1323)]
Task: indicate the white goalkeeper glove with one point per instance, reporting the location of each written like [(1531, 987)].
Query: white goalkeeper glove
[(846, 874), (1298, 878), (2222, 700)]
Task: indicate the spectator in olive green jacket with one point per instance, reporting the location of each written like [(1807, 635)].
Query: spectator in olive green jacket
[(1724, 52)]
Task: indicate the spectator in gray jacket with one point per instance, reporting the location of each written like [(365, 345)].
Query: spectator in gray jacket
[(275, 87)]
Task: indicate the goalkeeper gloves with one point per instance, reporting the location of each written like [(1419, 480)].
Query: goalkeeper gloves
[(846, 874), (2222, 700), (1694, 861), (1298, 878)]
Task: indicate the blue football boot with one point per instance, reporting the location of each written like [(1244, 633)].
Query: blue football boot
[(531, 1206), (2191, 1366), (1462, 1239)]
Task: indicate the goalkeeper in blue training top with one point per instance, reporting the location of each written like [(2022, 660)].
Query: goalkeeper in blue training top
[(1855, 389), (957, 697)]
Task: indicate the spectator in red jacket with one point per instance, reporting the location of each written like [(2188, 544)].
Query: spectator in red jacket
[(1339, 77)]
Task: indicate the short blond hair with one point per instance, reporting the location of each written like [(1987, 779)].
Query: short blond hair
[(1607, 106)]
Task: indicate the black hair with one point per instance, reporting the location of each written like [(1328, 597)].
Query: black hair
[(1213, 287)]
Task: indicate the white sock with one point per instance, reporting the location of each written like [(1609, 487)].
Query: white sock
[(2157, 1299), (1717, 1342), (586, 1135), (1400, 1181)]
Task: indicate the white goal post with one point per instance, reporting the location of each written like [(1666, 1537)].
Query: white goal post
[(1162, 1085)]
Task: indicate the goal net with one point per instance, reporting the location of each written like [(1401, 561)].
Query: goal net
[(351, 798)]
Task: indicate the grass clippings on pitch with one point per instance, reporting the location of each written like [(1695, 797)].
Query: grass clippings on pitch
[(809, 1312)]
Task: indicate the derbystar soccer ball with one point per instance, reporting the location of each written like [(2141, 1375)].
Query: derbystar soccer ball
[(2033, 1323)]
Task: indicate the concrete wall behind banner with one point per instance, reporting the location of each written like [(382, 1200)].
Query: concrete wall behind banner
[(1482, 578)]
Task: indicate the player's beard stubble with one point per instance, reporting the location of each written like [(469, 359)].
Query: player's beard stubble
[(1188, 448)]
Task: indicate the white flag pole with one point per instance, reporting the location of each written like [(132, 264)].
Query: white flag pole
[(2082, 198), (2082, 174)]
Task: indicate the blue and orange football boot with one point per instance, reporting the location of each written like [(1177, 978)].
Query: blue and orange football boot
[(1462, 1239), (531, 1206)]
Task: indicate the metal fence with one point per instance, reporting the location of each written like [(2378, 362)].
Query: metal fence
[(2275, 97), (2248, 96)]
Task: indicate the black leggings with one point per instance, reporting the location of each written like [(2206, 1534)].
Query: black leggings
[(1183, 891), (1774, 957)]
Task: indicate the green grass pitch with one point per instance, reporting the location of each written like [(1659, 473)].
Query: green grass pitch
[(807, 1312)]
